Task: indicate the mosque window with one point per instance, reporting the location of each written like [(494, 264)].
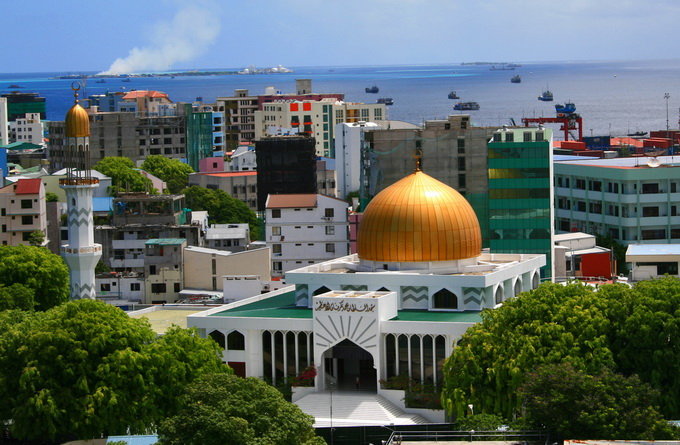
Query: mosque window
[(499, 295), (518, 287), (445, 299), (218, 337), (535, 281), (236, 341)]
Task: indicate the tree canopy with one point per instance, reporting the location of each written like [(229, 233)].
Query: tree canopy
[(627, 331), (573, 404), (222, 208), (219, 409), (174, 172), (123, 175), (38, 269), (86, 369)]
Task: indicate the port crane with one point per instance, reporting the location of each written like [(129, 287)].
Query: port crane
[(567, 116)]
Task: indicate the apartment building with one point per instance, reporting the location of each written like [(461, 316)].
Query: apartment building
[(303, 229), (239, 185), (633, 200), (28, 128), (22, 211)]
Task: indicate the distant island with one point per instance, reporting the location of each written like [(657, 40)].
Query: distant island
[(248, 70)]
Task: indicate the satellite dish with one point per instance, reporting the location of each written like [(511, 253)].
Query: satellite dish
[(653, 162)]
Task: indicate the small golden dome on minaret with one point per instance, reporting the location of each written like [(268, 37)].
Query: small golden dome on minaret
[(77, 120)]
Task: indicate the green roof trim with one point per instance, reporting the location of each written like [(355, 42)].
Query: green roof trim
[(451, 317), (279, 306), (283, 306), (164, 241)]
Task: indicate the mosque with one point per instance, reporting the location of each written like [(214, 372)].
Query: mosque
[(396, 307)]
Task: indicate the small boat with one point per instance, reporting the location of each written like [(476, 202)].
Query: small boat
[(453, 95), (386, 101), (566, 109), (546, 96), (516, 79), (373, 89), (466, 106)]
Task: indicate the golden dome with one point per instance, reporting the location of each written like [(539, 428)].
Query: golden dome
[(419, 219), (77, 122)]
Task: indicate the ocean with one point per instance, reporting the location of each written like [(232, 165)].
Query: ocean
[(614, 98)]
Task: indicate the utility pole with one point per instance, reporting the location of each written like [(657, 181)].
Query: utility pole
[(667, 96)]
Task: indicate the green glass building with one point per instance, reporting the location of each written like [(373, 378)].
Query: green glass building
[(199, 143), (521, 193)]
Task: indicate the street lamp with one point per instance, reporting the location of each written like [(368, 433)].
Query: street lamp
[(667, 96), (331, 385)]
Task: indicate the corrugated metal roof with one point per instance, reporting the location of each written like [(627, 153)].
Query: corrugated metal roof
[(165, 241), (653, 249), (229, 174), (28, 186), (290, 201)]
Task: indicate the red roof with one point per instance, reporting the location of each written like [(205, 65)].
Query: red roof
[(144, 93), (290, 201), (230, 174), (28, 186)]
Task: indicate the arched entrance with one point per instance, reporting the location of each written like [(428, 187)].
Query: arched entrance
[(351, 367)]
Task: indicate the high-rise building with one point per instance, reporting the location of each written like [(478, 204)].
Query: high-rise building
[(18, 104), (285, 164), (521, 193), (4, 129), (81, 253)]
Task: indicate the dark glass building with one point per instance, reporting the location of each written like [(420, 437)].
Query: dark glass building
[(285, 164), (521, 193), (18, 104)]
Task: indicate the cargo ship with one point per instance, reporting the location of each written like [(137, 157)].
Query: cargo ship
[(466, 106), (386, 101), (546, 96), (516, 79), (453, 95), (566, 109), (374, 89)]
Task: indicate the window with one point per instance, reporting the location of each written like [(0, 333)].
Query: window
[(218, 337), (26, 204), (134, 286), (158, 288), (236, 341), (461, 163), (276, 248), (152, 269), (330, 230), (25, 236), (276, 266), (177, 287), (105, 287), (330, 248), (527, 136), (445, 299), (461, 146), (276, 231), (650, 211), (595, 186), (329, 213), (3, 212), (650, 188), (509, 137), (580, 184), (27, 219), (276, 213)]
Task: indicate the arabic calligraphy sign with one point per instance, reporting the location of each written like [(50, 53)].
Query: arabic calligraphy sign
[(344, 306)]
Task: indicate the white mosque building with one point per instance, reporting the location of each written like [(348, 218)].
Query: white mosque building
[(418, 281)]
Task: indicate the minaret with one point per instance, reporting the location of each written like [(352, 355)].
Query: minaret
[(81, 253)]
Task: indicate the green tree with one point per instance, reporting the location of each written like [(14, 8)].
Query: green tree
[(86, 369), (575, 405), (37, 269), (222, 208), (219, 408), (480, 422), (174, 172), (628, 331), (36, 238), (17, 296), (51, 197), (124, 176)]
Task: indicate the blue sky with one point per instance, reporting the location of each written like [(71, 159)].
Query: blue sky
[(73, 35)]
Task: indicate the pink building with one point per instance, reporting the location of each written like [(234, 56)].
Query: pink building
[(22, 211), (211, 165)]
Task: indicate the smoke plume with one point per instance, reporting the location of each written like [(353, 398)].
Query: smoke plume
[(190, 32)]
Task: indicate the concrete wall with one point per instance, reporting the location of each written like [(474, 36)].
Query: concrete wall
[(198, 266)]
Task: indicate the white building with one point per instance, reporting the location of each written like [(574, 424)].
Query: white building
[(304, 229), (4, 128), (28, 129), (316, 118), (231, 237), (651, 261), (397, 307), (349, 138), (243, 159)]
